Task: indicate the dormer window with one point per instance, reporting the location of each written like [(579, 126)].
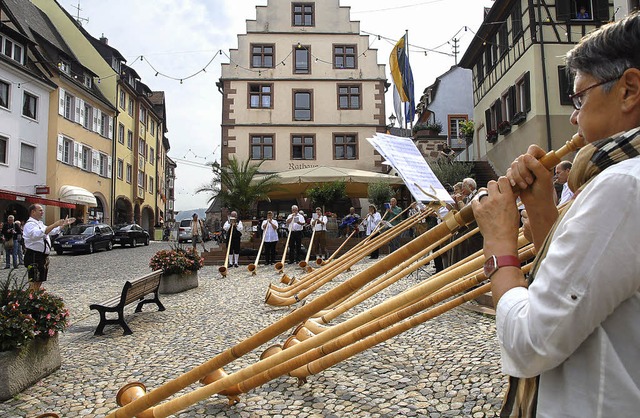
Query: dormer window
[(88, 80), (11, 49), (115, 64), (64, 67)]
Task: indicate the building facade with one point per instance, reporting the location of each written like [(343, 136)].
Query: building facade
[(520, 87), (302, 90)]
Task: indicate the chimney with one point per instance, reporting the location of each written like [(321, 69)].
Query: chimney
[(104, 40)]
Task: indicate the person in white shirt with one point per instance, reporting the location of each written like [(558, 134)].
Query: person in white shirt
[(576, 323), (319, 224), (197, 232), (38, 244), (233, 222), (371, 222), (270, 231), (562, 176), (295, 222)]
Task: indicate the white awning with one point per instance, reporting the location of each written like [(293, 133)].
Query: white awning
[(78, 195)]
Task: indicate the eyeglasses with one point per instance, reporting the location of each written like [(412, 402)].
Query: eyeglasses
[(576, 98)]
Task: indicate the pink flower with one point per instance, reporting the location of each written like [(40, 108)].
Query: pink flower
[(52, 332)]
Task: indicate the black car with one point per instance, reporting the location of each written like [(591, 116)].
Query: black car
[(84, 237), (131, 234)]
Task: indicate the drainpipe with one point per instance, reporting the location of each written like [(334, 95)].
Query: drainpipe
[(544, 77)]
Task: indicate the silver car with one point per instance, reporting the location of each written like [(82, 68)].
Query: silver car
[(184, 230)]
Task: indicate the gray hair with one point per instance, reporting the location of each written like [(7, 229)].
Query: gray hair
[(469, 182), (294, 207), (609, 51)]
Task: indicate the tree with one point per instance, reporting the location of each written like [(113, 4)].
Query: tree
[(326, 193), (379, 193), (450, 172), (236, 186)]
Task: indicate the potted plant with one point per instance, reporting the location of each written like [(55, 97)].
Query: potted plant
[(518, 118), (30, 321), (179, 268), (504, 127), (466, 130), (431, 128), (492, 136)]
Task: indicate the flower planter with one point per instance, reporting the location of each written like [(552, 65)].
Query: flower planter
[(492, 137), (23, 367), (176, 283), (518, 118), (505, 130)]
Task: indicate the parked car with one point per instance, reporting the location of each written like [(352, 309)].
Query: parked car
[(84, 237), (184, 230), (131, 234)]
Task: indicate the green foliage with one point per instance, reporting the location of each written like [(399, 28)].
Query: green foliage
[(236, 186), (379, 193), (26, 314), (450, 172), (177, 260), (323, 194), (466, 129), (428, 126)]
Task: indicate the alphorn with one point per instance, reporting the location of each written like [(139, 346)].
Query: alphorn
[(223, 270), (453, 221), (252, 267), (305, 263), (280, 264)]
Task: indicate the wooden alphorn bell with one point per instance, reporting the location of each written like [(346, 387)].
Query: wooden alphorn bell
[(223, 270), (305, 264), (280, 264), (453, 221)]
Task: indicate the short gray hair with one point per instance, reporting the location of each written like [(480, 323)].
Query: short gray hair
[(609, 51), (469, 182)]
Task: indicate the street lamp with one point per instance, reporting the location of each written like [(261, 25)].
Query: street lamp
[(392, 119)]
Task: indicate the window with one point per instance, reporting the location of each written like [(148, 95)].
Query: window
[(581, 10), (130, 108), (506, 109), (260, 96), (262, 147), (120, 168), (104, 125), (565, 86), (12, 49), (30, 106), (129, 173), (4, 94), (142, 147), (262, 56), (303, 147), (302, 105), (454, 125), (141, 178), (123, 100), (151, 156), (302, 14), (64, 67), (345, 147), (301, 61), (153, 128), (88, 80), (480, 70), (67, 151), (150, 184), (129, 139), (86, 158), (516, 21), (523, 95), (143, 115), (121, 133), (3, 149), (503, 39), (27, 157), (88, 116), (349, 97), (69, 105), (344, 56), (104, 165)]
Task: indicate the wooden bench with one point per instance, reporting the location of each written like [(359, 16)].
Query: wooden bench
[(133, 290)]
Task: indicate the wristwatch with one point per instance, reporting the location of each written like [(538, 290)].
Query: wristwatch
[(493, 263)]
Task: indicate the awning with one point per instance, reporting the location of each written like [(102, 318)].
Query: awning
[(28, 198), (77, 195)]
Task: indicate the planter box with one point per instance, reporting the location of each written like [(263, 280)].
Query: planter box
[(176, 283), (21, 368)]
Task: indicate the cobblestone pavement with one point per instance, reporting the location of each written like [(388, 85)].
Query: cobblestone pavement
[(447, 367)]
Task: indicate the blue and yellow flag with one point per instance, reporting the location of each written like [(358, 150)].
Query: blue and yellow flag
[(402, 76)]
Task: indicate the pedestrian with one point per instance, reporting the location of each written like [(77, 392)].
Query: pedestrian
[(371, 222), (10, 232), (392, 215), (197, 232), (234, 251), (38, 244), (296, 222), (319, 225), (569, 334), (270, 230), (20, 242)]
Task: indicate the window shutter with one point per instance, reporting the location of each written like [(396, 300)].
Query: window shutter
[(601, 10), (498, 105), (512, 102), (527, 92), (96, 114), (95, 161), (109, 169), (110, 133), (61, 95), (487, 116), (76, 154), (100, 127), (60, 147), (80, 104), (77, 114), (563, 10)]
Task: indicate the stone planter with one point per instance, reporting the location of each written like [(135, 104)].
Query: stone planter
[(21, 368), (176, 283)]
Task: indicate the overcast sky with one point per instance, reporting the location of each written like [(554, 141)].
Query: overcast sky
[(179, 38)]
